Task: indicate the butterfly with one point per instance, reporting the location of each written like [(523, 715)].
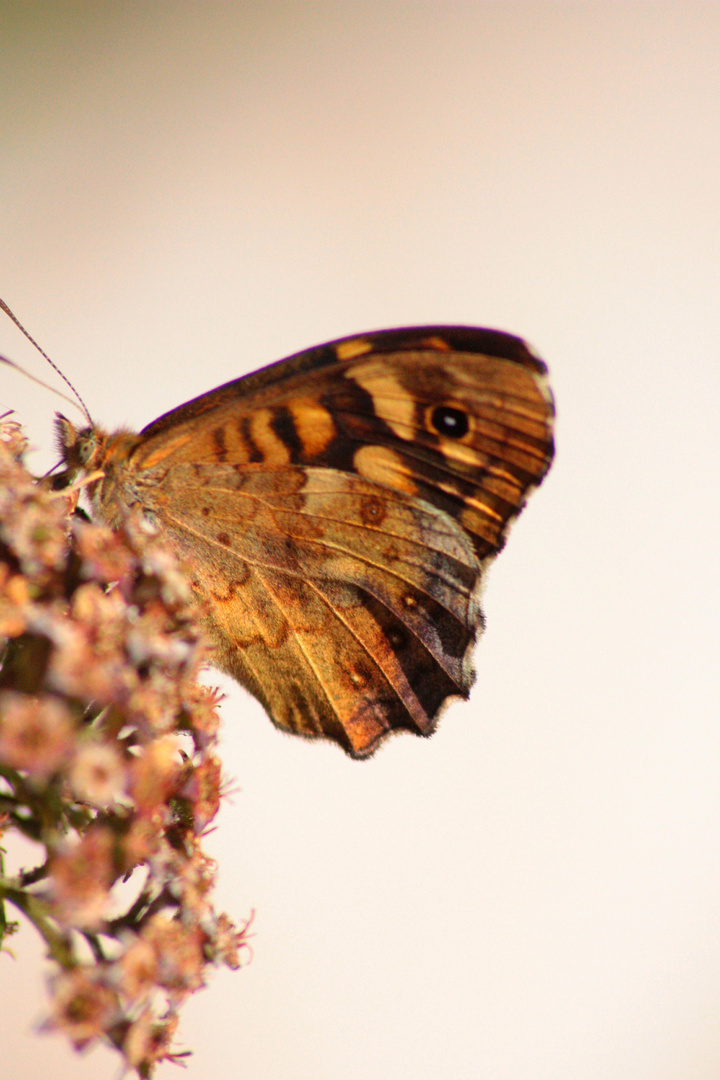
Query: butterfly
[(337, 511)]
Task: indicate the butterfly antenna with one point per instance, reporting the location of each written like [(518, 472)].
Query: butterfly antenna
[(52, 364)]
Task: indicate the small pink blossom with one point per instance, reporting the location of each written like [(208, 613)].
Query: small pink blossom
[(98, 774), (80, 877), (35, 734), (82, 1007)]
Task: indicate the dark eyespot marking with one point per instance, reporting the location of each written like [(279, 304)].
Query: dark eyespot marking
[(450, 421), (223, 538), (372, 510)]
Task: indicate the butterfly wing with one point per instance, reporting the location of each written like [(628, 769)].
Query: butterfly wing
[(336, 510)]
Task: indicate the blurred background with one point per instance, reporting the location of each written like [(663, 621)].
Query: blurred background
[(190, 191)]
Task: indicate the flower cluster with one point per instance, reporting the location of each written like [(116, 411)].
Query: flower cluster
[(107, 761)]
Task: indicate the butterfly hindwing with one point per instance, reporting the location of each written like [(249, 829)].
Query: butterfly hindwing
[(344, 607)]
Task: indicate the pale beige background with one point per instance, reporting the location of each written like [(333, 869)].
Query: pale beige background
[(189, 191)]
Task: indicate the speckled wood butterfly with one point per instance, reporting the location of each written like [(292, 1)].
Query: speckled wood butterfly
[(336, 511)]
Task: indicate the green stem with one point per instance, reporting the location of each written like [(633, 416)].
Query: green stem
[(29, 877), (36, 911), (96, 946)]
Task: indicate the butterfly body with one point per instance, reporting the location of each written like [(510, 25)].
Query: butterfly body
[(336, 511)]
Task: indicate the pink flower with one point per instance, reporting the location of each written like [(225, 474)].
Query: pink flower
[(81, 875), (98, 774), (83, 1008), (35, 733)]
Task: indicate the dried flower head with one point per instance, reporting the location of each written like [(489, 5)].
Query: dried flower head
[(36, 734), (83, 1007), (107, 759), (98, 774)]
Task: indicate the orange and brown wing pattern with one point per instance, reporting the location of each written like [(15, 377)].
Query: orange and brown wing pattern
[(336, 509), (346, 610)]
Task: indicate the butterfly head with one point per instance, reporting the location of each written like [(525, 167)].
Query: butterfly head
[(96, 461), (82, 450)]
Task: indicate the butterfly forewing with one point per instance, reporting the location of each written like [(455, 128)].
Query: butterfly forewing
[(335, 510)]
